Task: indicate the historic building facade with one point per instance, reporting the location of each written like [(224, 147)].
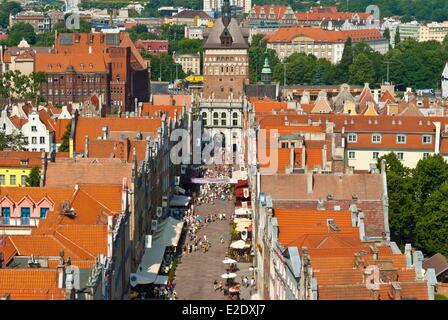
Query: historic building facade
[(226, 71)]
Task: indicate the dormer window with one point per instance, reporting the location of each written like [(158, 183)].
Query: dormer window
[(81, 66), (23, 162), (90, 66), (58, 66), (49, 66)]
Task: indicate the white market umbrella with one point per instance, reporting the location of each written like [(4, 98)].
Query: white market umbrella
[(228, 261), (240, 244), (229, 275)]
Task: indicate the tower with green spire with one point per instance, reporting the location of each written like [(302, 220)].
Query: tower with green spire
[(266, 72)]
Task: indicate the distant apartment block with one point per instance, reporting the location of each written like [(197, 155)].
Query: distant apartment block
[(321, 43), (189, 62), (41, 21), (153, 47), (433, 31)]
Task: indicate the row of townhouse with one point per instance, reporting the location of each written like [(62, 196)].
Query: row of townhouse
[(41, 127), (123, 153), (329, 238), (266, 19)]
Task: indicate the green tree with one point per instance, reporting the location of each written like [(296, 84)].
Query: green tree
[(397, 38), (33, 179), (7, 8), (65, 144), (361, 70), (386, 34), (21, 31), (432, 227), (14, 141), (429, 175), (402, 207), (342, 71), (35, 81)]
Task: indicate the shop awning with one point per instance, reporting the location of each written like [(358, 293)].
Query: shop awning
[(243, 212), (149, 266), (179, 201), (168, 233), (241, 184), (243, 224), (161, 280), (239, 244)]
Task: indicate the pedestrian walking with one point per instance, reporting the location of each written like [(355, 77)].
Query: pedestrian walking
[(215, 285), (245, 281), (252, 282), (221, 238)]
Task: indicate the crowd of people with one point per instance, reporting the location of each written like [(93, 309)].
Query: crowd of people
[(211, 192)]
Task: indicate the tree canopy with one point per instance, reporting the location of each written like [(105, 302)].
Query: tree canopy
[(33, 179), (14, 141), (418, 203)]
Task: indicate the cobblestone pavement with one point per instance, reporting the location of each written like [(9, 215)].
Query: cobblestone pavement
[(197, 271)]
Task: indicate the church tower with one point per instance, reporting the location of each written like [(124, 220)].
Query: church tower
[(226, 58)]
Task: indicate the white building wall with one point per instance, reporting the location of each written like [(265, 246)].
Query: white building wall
[(363, 158), (34, 128)]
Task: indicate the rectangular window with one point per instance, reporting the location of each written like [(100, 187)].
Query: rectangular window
[(426, 139), (6, 214), (12, 179), (25, 214), (425, 155), (2, 180), (42, 139), (376, 155), (401, 138), (352, 137), (400, 155), (34, 140), (376, 138), (23, 180), (43, 213), (33, 129), (284, 145), (351, 154)]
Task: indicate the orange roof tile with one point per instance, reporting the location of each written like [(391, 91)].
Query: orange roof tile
[(31, 284)]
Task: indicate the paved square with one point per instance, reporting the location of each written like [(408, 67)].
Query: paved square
[(197, 271)]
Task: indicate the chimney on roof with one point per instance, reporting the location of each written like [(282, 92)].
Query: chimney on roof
[(396, 290), (418, 265), (110, 235), (134, 163), (437, 142), (324, 157), (43, 169), (148, 149), (291, 159), (309, 182), (361, 226), (376, 96), (105, 132), (86, 147), (61, 273), (408, 254), (303, 155)]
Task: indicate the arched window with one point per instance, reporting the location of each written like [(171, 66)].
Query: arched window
[(223, 119), (204, 119), (215, 118), (235, 119)]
